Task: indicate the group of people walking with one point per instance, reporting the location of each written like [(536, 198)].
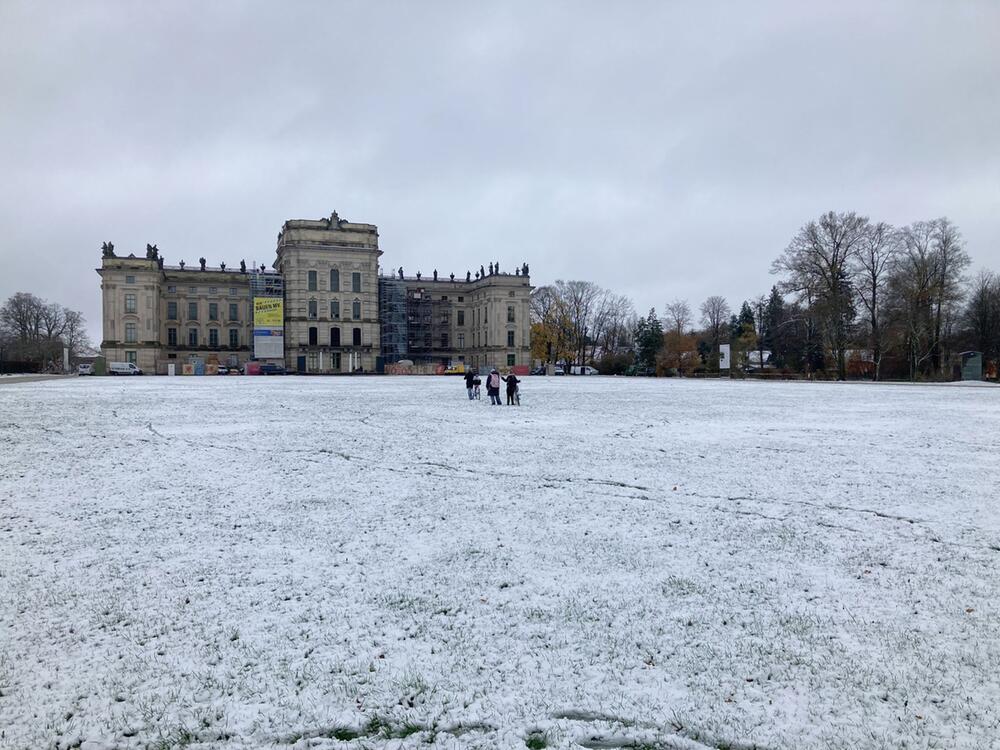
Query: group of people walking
[(493, 380)]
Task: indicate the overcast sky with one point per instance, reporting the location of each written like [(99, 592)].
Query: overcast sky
[(661, 149)]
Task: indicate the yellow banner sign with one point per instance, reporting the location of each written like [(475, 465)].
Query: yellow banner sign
[(268, 312)]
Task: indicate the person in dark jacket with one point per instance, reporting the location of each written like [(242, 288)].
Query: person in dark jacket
[(470, 376), (493, 387), (511, 381)]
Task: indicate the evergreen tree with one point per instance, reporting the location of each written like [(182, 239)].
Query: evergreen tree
[(648, 336)]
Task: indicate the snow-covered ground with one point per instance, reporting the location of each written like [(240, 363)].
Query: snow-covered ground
[(376, 562)]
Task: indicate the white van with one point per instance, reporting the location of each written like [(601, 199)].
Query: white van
[(584, 370), (123, 368)]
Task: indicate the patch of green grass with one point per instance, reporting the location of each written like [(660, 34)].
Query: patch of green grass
[(344, 734), (536, 741), (408, 729)]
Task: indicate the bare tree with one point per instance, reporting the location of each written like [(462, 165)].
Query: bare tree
[(714, 314), (817, 265), (37, 331), (678, 315), (879, 251), (982, 315), (951, 262), (580, 300), (912, 284)]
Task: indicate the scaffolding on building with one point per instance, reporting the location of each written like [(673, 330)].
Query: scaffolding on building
[(266, 284), (393, 319), (428, 327)]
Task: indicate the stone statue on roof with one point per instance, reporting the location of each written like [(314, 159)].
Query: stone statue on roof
[(107, 250)]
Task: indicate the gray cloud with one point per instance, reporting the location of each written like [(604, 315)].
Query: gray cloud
[(661, 149)]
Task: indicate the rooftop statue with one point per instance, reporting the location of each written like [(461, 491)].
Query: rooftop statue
[(202, 262), (243, 266), (107, 250)]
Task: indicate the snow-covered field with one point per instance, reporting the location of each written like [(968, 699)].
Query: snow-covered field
[(375, 562)]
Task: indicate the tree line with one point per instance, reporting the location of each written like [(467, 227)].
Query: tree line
[(854, 298), (34, 332)]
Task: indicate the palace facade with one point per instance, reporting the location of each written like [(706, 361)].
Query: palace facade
[(323, 307)]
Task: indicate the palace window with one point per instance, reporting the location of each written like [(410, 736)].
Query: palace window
[(192, 290), (312, 309), (356, 309), (130, 279), (356, 338), (130, 333), (213, 290), (444, 340), (193, 310), (313, 359), (171, 337), (510, 338), (171, 290), (171, 311), (313, 336), (461, 341), (192, 337), (213, 310), (334, 280), (233, 291), (213, 336), (335, 309), (335, 361), (130, 357), (334, 337), (234, 337), (234, 311), (511, 359), (130, 303), (355, 282), (510, 313), (461, 317), (312, 281)]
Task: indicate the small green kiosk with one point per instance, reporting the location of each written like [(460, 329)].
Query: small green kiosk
[(972, 365)]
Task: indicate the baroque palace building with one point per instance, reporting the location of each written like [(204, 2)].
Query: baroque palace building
[(324, 307)]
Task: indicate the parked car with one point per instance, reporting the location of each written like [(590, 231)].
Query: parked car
[(537, 371), (584, 370), (559, 370), (86, 369), (272, 369), (222, 370), (644, 372), (123, 368)]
